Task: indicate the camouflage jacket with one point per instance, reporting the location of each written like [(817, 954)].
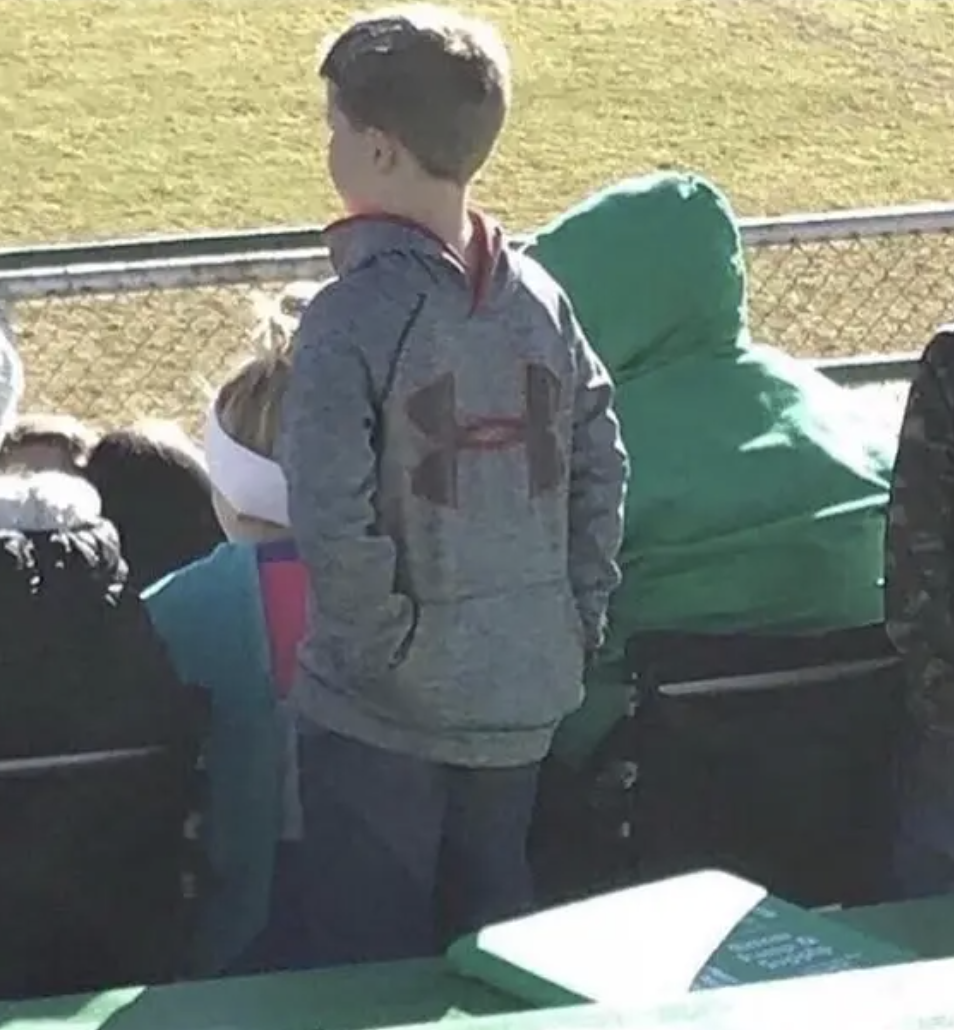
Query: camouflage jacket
[(919, 566)]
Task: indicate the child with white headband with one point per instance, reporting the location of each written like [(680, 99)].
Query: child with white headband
[(232, 622)]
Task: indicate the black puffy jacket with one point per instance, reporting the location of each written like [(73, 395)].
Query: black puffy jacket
[(98, 750)]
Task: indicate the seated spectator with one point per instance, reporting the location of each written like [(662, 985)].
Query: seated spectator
[(39, 442), (919, 599), (232, 621), (758, 489), (98, 752), (751, 546), (156, 490)]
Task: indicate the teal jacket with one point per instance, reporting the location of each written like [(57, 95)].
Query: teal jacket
[(232, 622)]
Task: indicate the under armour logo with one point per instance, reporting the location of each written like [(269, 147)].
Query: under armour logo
[(433, 410)]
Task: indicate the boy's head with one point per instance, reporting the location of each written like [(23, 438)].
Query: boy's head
[(415, 92), (39, 442)]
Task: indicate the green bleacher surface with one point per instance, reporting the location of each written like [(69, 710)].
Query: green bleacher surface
[(917, 994)]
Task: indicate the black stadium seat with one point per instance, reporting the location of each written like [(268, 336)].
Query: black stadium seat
[(772, 758), (90, 895)]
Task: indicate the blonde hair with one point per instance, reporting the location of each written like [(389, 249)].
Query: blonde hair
[(435, 79), (248, 403)]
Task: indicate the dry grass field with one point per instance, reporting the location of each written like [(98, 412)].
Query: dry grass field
[(127, 117)]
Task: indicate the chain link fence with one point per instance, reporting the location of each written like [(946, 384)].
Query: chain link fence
[(115, 358), (876, 295), (118, 342)]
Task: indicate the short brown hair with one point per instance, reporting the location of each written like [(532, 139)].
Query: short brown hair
[(64, 432), (435, 79)]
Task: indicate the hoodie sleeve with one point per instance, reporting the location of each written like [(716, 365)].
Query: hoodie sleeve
[(326, 450), (599, 471), (919, 596)]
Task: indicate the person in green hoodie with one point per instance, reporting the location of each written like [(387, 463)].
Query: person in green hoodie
[(758, 486)]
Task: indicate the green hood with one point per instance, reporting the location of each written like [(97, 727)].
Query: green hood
[(758, 485), (654, 268)]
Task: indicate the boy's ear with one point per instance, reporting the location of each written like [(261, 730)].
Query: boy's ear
[(385, 150)]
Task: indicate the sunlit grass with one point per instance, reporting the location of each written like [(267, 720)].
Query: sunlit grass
[(127, 116)]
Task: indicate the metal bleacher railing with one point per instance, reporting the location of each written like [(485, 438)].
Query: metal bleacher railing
[(119, 330)]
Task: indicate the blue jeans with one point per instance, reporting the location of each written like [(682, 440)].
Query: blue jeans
[(400, 856), (924, 853)]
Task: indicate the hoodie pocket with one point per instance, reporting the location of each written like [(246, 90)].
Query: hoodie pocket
[(508, 661)]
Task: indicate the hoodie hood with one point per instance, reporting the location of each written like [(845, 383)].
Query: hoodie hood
[(655, 269), (358, 240)]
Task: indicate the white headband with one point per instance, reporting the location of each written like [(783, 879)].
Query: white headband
[(254, 486)]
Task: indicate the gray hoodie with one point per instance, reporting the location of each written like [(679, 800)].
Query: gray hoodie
[(456, 482)]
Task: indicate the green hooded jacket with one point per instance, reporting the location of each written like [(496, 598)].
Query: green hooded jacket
[(758, 486)]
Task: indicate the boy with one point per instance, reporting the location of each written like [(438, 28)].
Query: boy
[(919, 606), (456, 480)]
